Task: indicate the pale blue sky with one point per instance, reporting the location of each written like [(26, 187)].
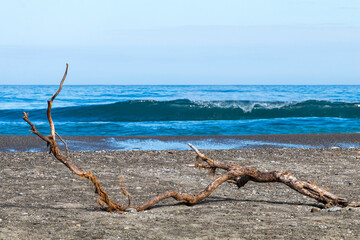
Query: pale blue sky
[(180, 42)]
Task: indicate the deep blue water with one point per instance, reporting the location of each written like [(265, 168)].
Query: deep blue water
[(182, 110)]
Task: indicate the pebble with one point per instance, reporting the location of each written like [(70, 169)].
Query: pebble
[(315, 210), (334, 209), (131, 210)]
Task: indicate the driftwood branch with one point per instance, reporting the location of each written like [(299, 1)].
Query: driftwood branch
[(242, 175), (66, 147), (54, 149), (234, 173)]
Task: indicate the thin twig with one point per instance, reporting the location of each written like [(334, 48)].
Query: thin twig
[(211, 162), (123, 188), (51, 123), (61, 83), (33, 128), (67, 150)]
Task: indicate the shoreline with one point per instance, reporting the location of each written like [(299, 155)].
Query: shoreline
[(32, 143)]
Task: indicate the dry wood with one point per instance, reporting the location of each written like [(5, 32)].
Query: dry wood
[(54, 149), (234, 173)]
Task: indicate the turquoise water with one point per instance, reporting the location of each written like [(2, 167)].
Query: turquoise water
[(183, 110)]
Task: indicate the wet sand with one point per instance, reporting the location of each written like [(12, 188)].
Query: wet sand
[(96, 143), (42, 199)]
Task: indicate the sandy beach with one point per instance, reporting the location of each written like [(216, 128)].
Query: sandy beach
[(42, 199), (112, 102)]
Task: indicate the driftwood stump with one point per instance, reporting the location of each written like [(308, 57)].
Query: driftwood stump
[(233, 173)]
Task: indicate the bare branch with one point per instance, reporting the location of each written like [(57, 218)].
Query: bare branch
[(33, 128), (54, 149), (51, 123), (67, 150), (123, 188), (246, 174), (184, 197), (212, 163), (61, 83)]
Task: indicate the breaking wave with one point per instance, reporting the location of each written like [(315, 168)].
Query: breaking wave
[(187, 110)]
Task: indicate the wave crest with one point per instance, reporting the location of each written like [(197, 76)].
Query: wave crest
[(187, 110)]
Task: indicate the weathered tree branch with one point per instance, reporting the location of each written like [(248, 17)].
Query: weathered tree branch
[(245, 174), (54, 149), (234, 173), (51, 123), (66, 147)]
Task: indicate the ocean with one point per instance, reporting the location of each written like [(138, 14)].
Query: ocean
[(105, 110)]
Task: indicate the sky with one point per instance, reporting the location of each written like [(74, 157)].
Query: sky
[(183, 42)]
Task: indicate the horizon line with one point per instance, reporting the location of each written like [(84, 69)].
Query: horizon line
[(182, 84)]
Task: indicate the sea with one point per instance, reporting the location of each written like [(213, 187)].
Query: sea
[(192, 110)]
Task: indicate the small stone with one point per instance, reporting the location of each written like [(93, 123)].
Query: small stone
[(131, 210), (334, 209), (96, 237), (315, 210)]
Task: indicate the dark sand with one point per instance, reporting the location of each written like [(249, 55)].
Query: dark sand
[(42, 199)]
